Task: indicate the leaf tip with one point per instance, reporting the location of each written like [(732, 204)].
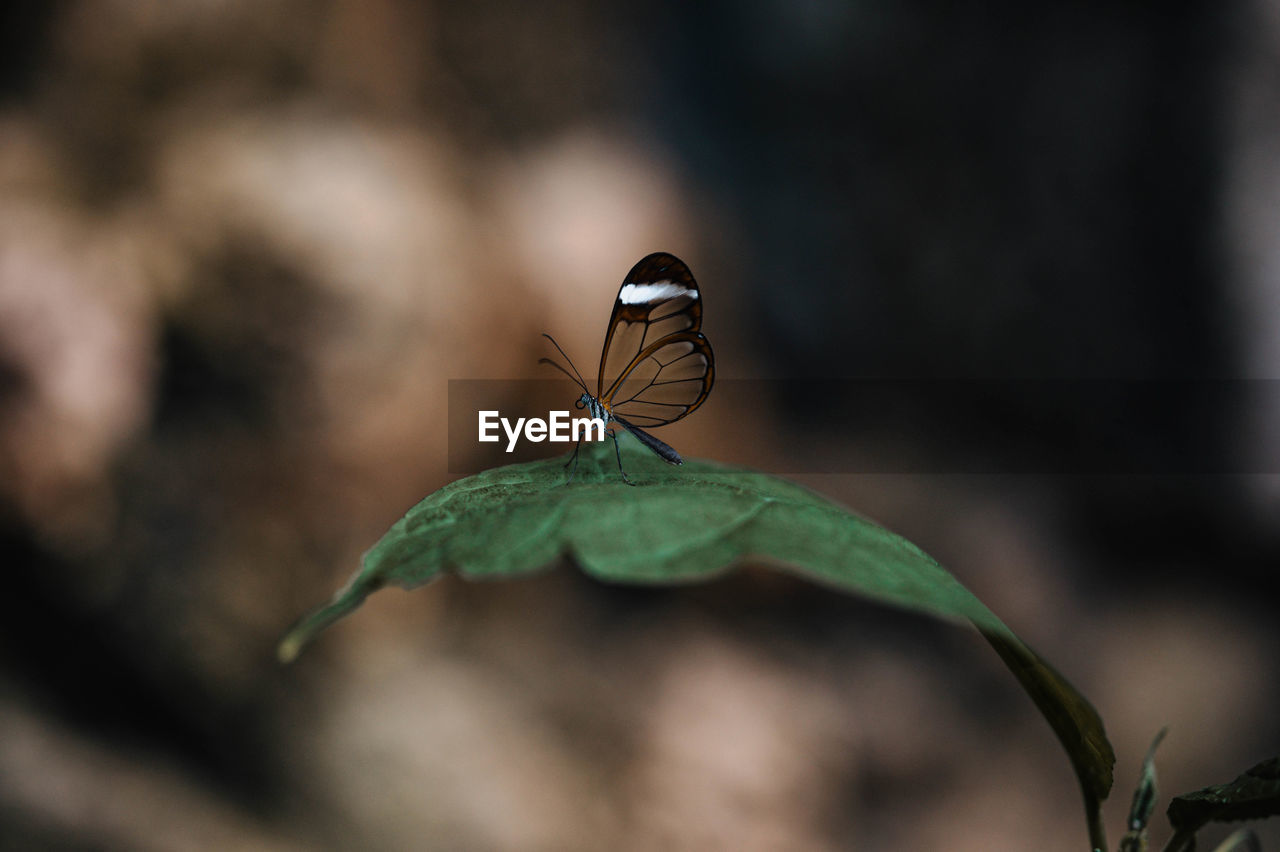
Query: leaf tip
[(347, 599), (289, 648)]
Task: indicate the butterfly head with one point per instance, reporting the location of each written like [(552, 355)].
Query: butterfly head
[(594, 406)]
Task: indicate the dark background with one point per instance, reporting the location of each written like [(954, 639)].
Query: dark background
[(244, 247)]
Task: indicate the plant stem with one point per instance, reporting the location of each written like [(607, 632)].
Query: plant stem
[(1093, 814)]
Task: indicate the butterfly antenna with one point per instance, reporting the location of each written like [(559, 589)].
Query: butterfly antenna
[(571, 376), (581, 382)]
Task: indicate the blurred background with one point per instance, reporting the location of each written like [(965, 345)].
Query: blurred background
[(244, 247)]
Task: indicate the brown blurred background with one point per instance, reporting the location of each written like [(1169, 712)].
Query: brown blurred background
[(244, 246)]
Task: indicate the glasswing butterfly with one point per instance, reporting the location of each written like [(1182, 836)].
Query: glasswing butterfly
[(656, 366)]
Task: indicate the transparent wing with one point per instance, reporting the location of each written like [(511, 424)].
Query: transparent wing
[(657, 299), (666, 381)]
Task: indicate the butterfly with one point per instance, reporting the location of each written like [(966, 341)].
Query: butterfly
[(656, 366)]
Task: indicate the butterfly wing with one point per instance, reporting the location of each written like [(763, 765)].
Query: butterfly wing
[(657, 298), (665, 381), (656, 366)]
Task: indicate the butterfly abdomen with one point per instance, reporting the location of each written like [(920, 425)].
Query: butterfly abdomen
[(665, 452)]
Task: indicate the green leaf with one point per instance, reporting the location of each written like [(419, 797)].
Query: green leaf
[(1147, 793), (1254, 795), (683, 524), (1144, 800)]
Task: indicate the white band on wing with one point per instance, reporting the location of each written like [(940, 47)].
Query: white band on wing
[(659, 291)]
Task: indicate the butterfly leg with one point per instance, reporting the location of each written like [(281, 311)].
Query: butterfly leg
[(573, 461), (617, 452)]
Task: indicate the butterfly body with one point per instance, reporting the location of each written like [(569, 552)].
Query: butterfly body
[(656, 366), (598, 409)]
